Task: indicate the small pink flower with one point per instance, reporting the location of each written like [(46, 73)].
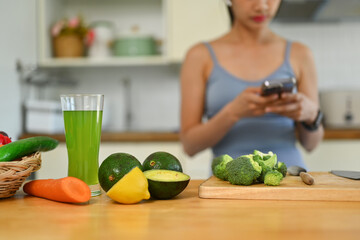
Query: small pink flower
[(56, 29), (74, 22), (90, 36)]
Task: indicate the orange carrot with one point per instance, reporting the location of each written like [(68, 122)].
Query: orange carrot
[(68, 189)]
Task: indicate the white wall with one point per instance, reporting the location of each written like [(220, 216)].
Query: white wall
[(17, 41), (336, 48)]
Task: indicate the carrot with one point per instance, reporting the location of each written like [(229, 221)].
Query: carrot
[(68, 189)]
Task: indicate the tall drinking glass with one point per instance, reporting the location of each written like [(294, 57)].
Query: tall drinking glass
[(83, 118)]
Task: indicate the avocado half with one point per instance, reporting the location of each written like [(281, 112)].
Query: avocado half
[(166, 184)]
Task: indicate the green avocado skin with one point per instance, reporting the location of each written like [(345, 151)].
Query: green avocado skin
[(25, 147), (166, 190), (162, 160), (115, 167)]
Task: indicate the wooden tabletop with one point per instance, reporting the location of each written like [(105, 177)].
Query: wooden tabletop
[(184, 217), (330, 134)]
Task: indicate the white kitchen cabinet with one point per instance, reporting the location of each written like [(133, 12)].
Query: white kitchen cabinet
[(193, 21), (334, 155), (178, 24), (55, 163), (199, 166), (124, 15), (329, 155)]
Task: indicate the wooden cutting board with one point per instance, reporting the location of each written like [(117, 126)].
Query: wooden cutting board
[(327, 187)]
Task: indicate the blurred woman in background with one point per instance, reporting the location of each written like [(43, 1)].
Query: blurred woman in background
[(221, 80)]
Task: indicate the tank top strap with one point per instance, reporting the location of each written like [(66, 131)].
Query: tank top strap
[(287, 51), (212, 53)]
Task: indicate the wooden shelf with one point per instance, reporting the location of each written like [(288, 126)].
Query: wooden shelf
[(122, 136), (106, 62), (342, 134), (330, 134)]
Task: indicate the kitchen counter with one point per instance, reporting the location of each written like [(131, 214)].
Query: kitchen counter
[(122, 136), (185, 217), (330, 134)]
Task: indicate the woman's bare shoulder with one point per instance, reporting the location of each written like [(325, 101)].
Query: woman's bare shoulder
[(199, 55), (300, 51), (198, 52)]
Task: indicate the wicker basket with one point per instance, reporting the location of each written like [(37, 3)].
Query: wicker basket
[(68, 46), (14, 173)]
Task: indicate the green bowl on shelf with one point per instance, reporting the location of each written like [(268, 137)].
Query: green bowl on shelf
[(135, 46)]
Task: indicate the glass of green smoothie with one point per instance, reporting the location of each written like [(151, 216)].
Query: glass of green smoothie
[(83, 117)]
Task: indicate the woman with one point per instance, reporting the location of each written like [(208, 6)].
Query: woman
[(221, 80)]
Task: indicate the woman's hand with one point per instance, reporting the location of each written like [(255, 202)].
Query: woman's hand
[(250, 103), (295, 106)]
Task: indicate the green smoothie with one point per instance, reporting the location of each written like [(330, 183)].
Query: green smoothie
[(83, 132)]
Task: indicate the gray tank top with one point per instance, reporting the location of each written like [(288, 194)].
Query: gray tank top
[(270, 132)]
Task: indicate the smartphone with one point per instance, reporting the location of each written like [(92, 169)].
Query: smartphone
[(278, 86)]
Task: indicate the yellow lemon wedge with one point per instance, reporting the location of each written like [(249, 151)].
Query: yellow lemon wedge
[(132, 188)]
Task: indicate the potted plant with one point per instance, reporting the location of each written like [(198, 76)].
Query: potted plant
[(68, 37)]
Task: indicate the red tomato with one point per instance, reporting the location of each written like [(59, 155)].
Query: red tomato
[(4, 140)]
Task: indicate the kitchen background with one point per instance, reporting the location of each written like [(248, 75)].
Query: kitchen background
[(142, 94)]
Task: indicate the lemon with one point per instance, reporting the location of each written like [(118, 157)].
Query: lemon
[(132, 188)]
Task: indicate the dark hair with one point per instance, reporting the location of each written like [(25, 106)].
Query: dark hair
[(231, 15)]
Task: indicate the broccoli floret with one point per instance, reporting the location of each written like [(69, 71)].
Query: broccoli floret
[(267, 156), (273, 178), (243, 170), (271, 162), (266, 165), (264, 169), (257, 158), (258, 155), (219, 169), (217, 160), (281, 167), (262, 156)]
